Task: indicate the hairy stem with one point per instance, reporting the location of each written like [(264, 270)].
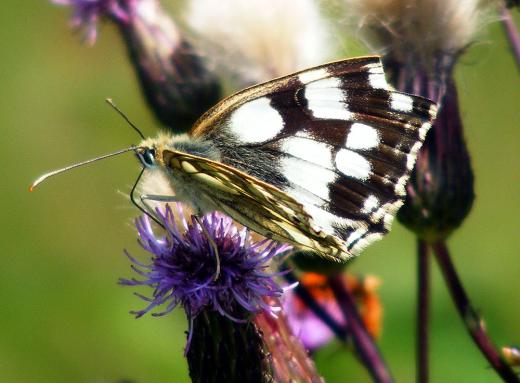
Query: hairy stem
[(300, 290), (423, 311), (364, 344), (471, 319)]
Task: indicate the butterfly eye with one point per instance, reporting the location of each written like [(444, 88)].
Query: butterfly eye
[(147, 157)]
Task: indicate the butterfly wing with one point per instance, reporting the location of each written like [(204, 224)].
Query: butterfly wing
[(335, 138), (258, 205)]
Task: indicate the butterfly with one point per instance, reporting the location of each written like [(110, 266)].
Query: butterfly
[(318, 159)]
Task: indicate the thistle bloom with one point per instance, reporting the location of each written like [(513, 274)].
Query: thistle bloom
[(440, 192), (422, 41), (174, 77), (214, 266), (87, 13), (426, 34), (256, 40)]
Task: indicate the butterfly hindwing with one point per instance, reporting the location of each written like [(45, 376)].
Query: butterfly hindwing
[(254, 203), (335, 138)]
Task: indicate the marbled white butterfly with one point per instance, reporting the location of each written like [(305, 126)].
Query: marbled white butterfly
[(318, 159)]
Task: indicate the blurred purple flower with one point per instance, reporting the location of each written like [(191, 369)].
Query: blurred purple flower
[(86, 13), (174, 77), (311, 330), (183, 268)]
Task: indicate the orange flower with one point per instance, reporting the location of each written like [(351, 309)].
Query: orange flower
[(311, 330)]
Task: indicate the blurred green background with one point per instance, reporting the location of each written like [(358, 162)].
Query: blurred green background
[(63, 318)]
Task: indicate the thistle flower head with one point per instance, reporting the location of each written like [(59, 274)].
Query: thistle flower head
[(440, 192), (257, 40), (420, 30), (87, 13), (173, 77), (214, 266), (421, 42)]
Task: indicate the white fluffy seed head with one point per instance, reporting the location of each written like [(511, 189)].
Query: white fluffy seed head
[(256, 40), (424, 28)]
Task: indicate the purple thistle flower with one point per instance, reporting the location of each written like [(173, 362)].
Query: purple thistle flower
[(174, 77), (86, 13), (185, 270)]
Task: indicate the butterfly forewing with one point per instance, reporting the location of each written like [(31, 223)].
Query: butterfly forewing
[(336, 138)]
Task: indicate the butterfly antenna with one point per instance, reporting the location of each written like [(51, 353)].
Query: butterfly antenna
[(134, 202), (45, 176), (111, 103)]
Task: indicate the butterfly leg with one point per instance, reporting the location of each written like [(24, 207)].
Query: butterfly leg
[(145, 198), (213, 246)]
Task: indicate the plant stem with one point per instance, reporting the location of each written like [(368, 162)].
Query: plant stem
[(364, 344), (471, 319), (423, 311), (290, 362), (316, 308)]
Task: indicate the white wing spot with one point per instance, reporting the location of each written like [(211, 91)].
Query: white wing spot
[(256, 121), (423, 130), (308, 176), (412, 156), (377, 79), (354, 236), (353, 164), (376, 75), (327, 221), (386, 212), (370, 204), (309, 150), (362, 136), (375, 68), (399, 187), (313, 75), (322, 219), (391, 212), (326, 99), (401, 102), (304, 197), (433, 111), (364, 242)]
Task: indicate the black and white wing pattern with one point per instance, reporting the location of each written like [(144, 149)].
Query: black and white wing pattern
[(336, 138), (258, 205)]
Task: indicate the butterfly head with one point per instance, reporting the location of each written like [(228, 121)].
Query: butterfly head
[(149, 152), (147, 156)]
